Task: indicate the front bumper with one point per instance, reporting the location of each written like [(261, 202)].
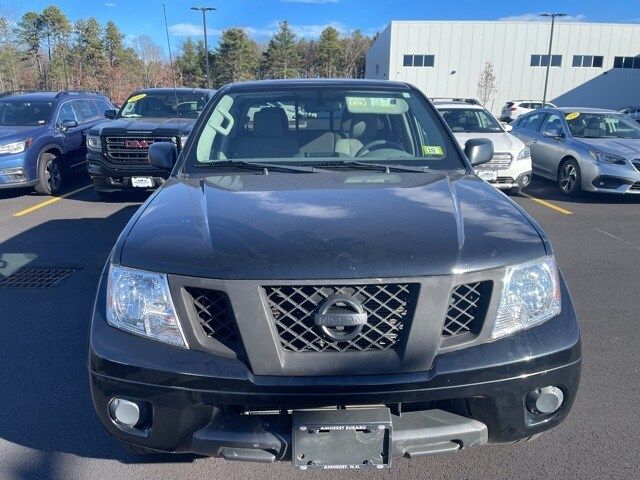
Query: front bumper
[(213, 405), (518, 175), (109, 177), (615, 179), (15, 180)]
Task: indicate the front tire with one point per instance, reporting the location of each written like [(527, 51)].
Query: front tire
[(570, 179), (50, 175)]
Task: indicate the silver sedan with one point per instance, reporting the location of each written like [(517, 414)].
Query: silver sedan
[(583, 149)]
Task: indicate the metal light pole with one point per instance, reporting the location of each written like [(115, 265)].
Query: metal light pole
[(546, 78), (204, 11)]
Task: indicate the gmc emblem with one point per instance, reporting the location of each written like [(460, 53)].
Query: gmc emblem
[(137, 143)]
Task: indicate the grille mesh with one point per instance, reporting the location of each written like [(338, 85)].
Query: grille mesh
[(215, 315), (635, 186), (36, 277), (389, 307), (467, 308), (119, 153), (500, 161)]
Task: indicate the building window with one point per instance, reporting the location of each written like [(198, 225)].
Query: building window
[(543, 60), (628, 62), (418, 60), (377, 68), (588, 61)]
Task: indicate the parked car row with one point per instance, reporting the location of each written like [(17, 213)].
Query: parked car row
[(46, 135)]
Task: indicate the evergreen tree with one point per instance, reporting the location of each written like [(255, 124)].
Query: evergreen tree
[(330, 53), (90, 60), (190, 63), (281, 60), (237, 57), (29, 30), (113, 45)]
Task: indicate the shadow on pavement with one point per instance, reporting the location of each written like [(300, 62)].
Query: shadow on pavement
[(548, 190), (46, 404)]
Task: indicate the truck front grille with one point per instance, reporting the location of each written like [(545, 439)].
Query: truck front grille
[(131, 149), (500, 161), (215, 316), (467, 308), (389, 308)]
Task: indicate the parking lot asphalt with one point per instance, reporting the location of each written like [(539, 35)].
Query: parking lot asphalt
[(49, 430)]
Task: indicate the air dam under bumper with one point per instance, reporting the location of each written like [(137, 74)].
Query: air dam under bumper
[(479, 392)]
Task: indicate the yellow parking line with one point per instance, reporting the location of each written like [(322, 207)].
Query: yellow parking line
[(49, 202), (548, 204)]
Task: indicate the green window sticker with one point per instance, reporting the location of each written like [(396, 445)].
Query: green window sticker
[(433, 150)]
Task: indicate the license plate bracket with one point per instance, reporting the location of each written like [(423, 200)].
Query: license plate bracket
[(350, 439), (488, 175), (142, 182)]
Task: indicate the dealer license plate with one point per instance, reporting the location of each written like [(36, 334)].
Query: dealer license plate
[(142, 182), (350, 439), (488, 175)]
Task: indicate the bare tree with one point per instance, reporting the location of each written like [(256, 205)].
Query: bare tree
[(152, 58), (487, 87)]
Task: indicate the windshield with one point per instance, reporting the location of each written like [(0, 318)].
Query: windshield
[(470, 120), (602, 125), (20, 113), (164, 105), (316, 125)]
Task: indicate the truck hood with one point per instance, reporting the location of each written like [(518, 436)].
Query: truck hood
[(502, 142), (327, 225), (614, 146), (149, 126)]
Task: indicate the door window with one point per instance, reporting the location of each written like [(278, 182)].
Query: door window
[(85, 110), (66, 113), (533, 122), (552, 123)]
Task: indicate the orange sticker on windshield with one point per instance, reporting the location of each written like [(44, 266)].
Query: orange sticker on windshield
[(572, 115), (135, 98)]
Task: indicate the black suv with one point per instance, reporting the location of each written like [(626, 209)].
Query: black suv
[(323, 278), (118, 150)]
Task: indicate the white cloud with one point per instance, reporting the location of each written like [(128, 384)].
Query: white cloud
[(190, 30), (311, 1), (110, 4), (535, 17)]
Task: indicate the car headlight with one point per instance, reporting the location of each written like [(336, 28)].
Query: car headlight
[(16, 147), (524, 153), (607, 158), (140, 302), (183, 140), (530, 296), (94, 143)]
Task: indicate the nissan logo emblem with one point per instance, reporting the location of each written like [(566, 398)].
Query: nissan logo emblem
[(340, 317)]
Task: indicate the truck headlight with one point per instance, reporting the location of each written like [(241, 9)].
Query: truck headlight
[(140, 302), (94, 143), (606, 158), (16, 147), (530, 296), (524, 153)]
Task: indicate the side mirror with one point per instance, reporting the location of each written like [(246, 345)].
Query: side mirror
[(67, 124), (111, 114), (508, 127), (478, 150), (163, 155), (553, 133)]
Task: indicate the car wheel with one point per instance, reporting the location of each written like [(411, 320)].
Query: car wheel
[(569, 178), (49, 175)]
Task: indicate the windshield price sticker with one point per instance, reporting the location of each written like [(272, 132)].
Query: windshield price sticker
[(135, 98), (572, 116), (432, 150)]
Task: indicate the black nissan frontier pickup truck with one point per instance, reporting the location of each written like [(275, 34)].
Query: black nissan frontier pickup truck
[(117, 151), (324, 279)]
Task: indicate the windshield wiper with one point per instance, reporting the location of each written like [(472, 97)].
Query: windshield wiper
[(373, 166), (265, 167)]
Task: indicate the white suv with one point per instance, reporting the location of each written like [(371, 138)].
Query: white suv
[(514, 109), (510, 168)]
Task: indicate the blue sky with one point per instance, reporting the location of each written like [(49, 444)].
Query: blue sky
[(260, 17)]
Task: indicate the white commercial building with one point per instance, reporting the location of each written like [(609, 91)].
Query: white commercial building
[(592, 64)]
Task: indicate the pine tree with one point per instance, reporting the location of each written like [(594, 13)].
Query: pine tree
[(190, 63), (281, 60), (90, 60), (237, 57), (330, 53), (29, 31)]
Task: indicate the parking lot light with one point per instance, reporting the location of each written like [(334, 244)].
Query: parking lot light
[(546, 77)]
